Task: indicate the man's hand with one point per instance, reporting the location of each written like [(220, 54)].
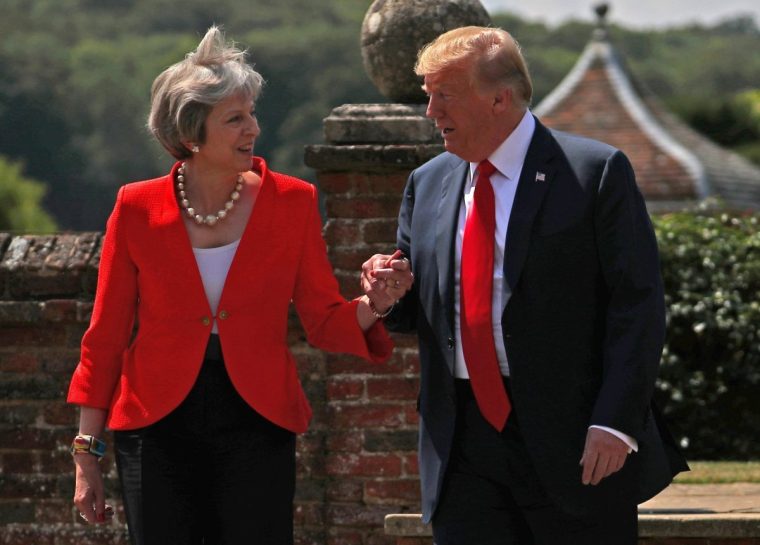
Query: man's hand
[(386, 279), (603, 455)]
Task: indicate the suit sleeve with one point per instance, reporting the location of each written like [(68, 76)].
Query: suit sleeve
[(634, 329), (403, 317), (329, 320), (97, 374)]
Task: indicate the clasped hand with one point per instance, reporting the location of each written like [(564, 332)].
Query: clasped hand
[(386, 278)]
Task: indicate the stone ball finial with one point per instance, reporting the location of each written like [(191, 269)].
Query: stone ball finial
[(395, 30)]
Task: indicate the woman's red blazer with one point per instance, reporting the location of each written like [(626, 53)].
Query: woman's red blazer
[(148, 275)]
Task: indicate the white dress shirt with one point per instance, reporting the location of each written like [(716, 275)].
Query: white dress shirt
[(508, 159)]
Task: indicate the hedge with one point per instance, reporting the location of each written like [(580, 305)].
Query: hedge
[(710, 367)]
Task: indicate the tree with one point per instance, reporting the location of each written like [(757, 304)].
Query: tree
[(20, 201)]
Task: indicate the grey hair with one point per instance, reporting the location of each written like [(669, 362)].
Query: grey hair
[(183, 95)]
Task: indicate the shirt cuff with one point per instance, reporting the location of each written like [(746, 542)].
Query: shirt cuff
[(633, 445)]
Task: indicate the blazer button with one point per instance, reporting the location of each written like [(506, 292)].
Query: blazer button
[(451, 343), (206, 320), (223, 315)]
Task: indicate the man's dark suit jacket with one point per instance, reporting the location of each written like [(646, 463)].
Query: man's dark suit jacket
[(583, 324)]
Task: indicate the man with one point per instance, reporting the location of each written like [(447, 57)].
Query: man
[(539, 308)]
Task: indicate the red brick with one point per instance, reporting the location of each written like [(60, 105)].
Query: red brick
[(28, 535), (348, 283), (310, 361), (345, 538), (84, 312), (392, 491), (363, 207), (357, 515), (366, 416), (27, 438), (18, 362), (349, 259), (308, 536), (55, 511), (20, 462), (27, 486), (31, 336), (411, 465), (381, 230), (61, 414), (382, 184), (19, 412), (407, 341), (398, 364), (332, 183), (60, 310), (376, 465), (59, 361), (344, 389), (412, 417), (378, 538), (341, 232), (414, 541), (345, 490), (393, 388), (308, 514), (338, 441), (55, 462)]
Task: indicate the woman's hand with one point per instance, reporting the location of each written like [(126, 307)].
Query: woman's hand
[(385, 279), (89, 493)]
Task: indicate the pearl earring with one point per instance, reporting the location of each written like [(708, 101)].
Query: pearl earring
[(195, 148)]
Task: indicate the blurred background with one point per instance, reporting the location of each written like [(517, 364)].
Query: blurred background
[(75, 79)]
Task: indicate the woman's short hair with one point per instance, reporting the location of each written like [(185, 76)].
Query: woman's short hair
[(183, 95), (492, 53)]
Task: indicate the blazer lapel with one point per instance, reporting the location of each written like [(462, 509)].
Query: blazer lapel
[(177, 249), (265, 209), (535, 179), (452, 187)]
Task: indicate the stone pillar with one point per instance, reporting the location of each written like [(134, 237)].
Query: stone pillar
[(370, 464), (370, 418)]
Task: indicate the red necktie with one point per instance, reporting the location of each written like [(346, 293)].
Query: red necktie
[(476, 286)]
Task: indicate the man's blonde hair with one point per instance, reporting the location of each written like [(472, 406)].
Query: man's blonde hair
[(492, 55)]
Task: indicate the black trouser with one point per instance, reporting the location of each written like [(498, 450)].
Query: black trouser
[(492, 494), (212, 472)]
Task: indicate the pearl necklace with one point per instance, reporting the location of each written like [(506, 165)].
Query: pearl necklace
[(210, 219)]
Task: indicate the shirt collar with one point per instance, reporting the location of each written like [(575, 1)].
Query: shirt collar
[(509, 157)]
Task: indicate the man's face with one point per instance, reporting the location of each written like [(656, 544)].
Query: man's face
[(464, 115)]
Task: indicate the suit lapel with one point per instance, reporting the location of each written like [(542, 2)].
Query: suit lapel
[(452, 187), (535, 180)]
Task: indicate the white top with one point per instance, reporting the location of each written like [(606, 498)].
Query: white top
[(508, 159), (214, 264)]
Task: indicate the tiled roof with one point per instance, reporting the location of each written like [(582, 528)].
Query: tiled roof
[(675, 166)]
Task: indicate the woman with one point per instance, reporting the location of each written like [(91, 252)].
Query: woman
[(186, 356)]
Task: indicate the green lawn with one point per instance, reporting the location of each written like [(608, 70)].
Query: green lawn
[(720, 472)]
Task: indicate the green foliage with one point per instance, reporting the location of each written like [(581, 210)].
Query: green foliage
[(75, 79), (710, 373), (20, 198), (731, 121)]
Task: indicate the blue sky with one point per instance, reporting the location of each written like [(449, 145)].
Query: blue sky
[(630, 13)]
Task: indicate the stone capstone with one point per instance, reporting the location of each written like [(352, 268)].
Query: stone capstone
[(395, 30)]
